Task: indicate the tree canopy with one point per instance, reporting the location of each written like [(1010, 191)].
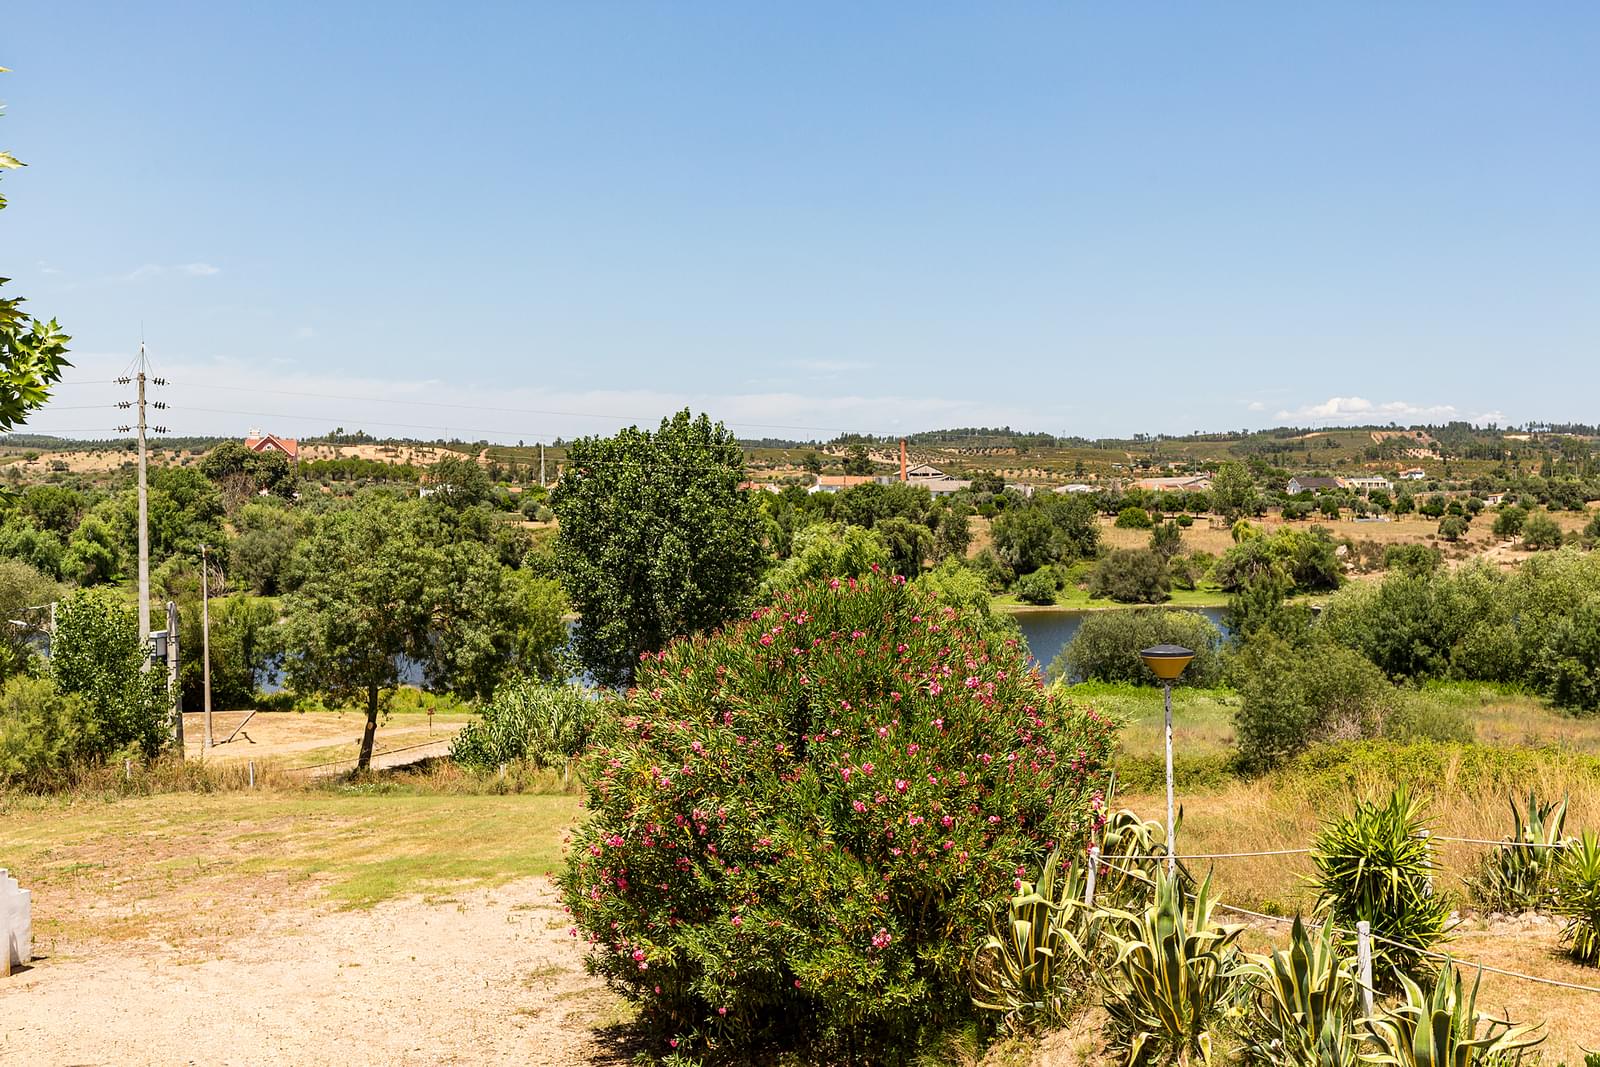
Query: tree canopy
[(657, 539)]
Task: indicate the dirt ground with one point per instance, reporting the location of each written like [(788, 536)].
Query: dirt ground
[(489, 976), (301, 738)]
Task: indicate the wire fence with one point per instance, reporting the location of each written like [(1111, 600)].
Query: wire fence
[(357, 758), (1442, 957)]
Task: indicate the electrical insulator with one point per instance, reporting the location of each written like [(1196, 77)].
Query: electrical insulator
[(125, 404), (124, 429), (159, 381), (160, 405), (124, 381), (159, 429)]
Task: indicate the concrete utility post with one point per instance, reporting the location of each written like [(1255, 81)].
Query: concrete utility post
[(205, 634), (142, 425), (144, 516), (1167, 662), (172, 674)]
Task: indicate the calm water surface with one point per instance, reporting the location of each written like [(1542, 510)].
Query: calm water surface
[(1049, 630)]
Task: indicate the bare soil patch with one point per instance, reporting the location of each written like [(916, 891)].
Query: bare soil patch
[(489, 976)]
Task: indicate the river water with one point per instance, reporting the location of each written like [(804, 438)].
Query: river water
[(1049, 629)]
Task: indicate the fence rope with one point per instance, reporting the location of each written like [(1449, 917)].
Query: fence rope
[(1502, 843), (352, 759), (1220, 855), (1443, 957)]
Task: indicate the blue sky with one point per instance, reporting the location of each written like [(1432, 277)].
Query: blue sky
[(1095, 219)]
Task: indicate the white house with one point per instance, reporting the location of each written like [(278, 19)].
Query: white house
[(1308, 484), (1413, 474), (1370, 484)]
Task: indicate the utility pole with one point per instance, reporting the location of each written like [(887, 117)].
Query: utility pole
[(541, 464), (142, 425), (205, 634), (144, 516)]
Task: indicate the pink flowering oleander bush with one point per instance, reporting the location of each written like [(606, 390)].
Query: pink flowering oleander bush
[(799, 823)]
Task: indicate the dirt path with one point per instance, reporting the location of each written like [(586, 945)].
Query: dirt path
[(487, 977)]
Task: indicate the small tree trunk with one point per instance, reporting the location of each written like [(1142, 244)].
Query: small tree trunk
[(371, 729)]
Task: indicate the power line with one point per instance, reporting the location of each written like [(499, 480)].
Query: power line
[(486, 407)]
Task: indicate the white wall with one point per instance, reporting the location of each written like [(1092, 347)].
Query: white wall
[(16, 922)]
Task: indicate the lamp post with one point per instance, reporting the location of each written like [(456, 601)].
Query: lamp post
[(1166, 662)]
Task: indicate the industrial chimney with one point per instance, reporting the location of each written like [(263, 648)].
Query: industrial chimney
[(903, 459)]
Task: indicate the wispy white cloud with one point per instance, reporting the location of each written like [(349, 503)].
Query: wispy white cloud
[(1255, 405), (829, 366), (147, 271), (228, 396), (1357, 409)]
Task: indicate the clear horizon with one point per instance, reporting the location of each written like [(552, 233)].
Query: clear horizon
[(432, 221)]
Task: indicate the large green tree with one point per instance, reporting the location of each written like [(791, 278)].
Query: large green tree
[(359, 607), (32, 352), (387, 580), (657, 539), (1233, 492)]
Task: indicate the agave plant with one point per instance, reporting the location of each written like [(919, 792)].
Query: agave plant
[(1167, 986), (1577, 896), (1374, 865), (1517, 875), (1305, 1003), (1132, 854), (1440, 1028), (1039, 954)]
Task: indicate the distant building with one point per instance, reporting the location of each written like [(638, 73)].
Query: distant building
[(1074, 487), (1298, 485), (1414, 474), (1370, 484), (1188, 483), (833, 483), (930, 478), (266, 442)]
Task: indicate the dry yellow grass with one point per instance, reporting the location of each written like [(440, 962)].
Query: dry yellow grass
[(1273, 813)]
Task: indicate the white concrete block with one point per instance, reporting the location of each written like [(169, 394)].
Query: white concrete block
[(16, 921)]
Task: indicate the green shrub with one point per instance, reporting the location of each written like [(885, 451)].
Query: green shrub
[(1415, 717), (1508, 521), (1414, 560), (1518, 876), (1038, 587), (43, 733), (1295, 695), (527, 719), (799, 823), (1540, 532), (1131, 576), (96, 653), (1166, 540), (1452, 527), (242, 647), (1106, 647), (1134, 518), (1577, 896), (1375, 865)]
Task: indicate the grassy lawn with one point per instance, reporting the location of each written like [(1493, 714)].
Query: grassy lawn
[(175, 865), (1079, 599), (1202, 719)]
